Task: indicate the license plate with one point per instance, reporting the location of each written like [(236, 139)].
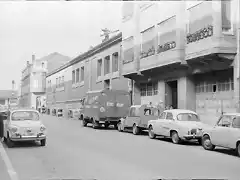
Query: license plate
[(30, 133), (101, 121)]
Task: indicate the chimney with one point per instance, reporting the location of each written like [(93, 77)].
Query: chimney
[(27, 63), (33, 59), (13, 85)]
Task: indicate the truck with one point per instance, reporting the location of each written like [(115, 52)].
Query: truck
[(105, 107)]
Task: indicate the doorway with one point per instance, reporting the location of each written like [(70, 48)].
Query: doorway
[(107, 84), (171, 94)]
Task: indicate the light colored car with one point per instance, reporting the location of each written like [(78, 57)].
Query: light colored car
[(179, 124), (24, 125), (226, 133)]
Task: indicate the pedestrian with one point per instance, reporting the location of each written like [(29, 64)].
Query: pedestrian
[(2, 117)]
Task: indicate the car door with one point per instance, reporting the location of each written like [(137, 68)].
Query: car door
[(220, 132), (131, 118), (158, 127), (167, 123), (234, 132)]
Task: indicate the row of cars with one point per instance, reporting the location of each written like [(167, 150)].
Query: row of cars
[(178, 124)]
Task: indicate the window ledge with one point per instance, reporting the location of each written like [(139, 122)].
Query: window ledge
[(115, 75), (99, 79), (78, 84)]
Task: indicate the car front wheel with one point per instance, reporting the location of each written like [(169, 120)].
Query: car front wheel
[(151, 133), (175, 137), (43, 142), (238, 149), (10, 143), (207, 144), (119, 127)]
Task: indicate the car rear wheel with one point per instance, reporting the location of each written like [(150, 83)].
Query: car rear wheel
[(135, 129), (84, 123), (175, 138), (43, 142), (238, 149), (207, 144), (119, 127), (151, 133), (10, 143), (106, 125)]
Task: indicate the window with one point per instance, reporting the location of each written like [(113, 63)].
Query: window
[(169, 116), (162, 116), (82, 73), (236, 122), (99, 67), (56, 82), (227, 24), (42, 65), (73, 77), (77, 75), (147, 42), (200, 87), (187, 117), (59, 82), (149, 89), (107, 65), (211, 87), (115, 62), (63, 80), (225, 121), (128, 50)]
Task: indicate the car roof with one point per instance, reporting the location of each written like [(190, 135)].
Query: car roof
[(175, 111), (24, 109), (231, 114)]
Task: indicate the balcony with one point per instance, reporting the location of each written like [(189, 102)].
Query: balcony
[(205, 34)]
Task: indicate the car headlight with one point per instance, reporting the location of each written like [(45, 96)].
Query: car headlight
[(42, 128), (13, 129)]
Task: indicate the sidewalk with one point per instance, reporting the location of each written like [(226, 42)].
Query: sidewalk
[(3, 170)]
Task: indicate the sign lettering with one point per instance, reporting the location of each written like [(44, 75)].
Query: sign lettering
[(150, 52), (201, 34), (165, 47)]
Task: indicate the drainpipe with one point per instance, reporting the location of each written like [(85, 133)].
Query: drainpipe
[(238, 54)]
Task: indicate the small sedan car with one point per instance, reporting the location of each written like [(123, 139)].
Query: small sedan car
[(226, 133), (24, 125), (179, 124)]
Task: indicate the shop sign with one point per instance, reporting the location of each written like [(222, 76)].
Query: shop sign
[(165, 47), (149, 52), (201, 34)]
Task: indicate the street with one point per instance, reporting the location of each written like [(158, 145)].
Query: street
[(73, 151)]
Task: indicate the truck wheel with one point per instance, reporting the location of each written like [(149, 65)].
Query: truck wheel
[(116, 126), (10, 143), (94, 124), (135, 130), (238, 149), (84, 123), (106, 125)]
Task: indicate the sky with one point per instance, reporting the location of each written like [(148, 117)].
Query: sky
[(41, 28)]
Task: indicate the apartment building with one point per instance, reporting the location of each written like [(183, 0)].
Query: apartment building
[(96, 69), (183, 53), (33, 83)]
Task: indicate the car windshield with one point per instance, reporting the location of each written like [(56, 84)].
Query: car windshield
[(187, 117), (236, 122), (25, 115)]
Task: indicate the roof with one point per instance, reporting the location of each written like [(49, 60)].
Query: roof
[(180, 111), (5, 94), (89, 53)]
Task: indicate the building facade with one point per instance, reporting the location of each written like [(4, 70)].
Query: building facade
[(8, 98), (184, 54), (98, 68)]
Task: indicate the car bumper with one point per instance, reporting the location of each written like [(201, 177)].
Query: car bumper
[(28, 138), (190, 137)]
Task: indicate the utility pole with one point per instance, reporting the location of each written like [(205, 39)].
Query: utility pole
[(238, 55)]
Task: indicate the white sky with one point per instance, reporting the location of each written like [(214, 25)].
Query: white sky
[(42, 28)]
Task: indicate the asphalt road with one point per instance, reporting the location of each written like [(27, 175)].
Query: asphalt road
[(73, 151)]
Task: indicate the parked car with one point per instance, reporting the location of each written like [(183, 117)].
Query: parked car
[(137, 118), (226, 133), (179, 124), (105, 107), (24, 125)]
